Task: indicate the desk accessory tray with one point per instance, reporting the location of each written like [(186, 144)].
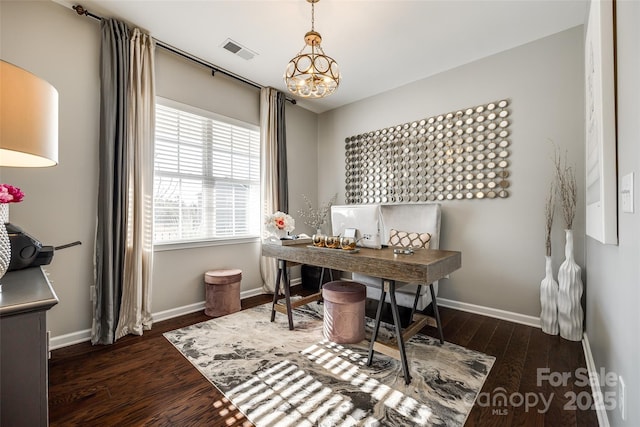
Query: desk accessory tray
[(324, 248)]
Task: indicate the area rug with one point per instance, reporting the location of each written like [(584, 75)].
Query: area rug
[(277, 377)]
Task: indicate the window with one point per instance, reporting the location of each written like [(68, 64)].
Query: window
[(207, 176)]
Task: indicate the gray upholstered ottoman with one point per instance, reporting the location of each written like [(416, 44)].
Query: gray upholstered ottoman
[(222, 292), (344, 304)]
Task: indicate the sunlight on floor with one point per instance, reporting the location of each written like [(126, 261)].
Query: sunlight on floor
[(285, 395), (225, 408)]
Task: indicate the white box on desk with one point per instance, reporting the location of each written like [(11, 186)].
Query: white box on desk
[(285, 242)]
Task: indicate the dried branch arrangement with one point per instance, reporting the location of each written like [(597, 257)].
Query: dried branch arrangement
[(549, 210), (567, 188), (316, 217)]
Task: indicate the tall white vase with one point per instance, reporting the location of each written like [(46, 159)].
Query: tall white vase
[(549, 300), (569, 294)]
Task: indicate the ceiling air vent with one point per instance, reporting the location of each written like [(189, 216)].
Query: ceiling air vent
[(237, 49)]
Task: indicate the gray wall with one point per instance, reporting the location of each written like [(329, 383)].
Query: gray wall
[(502, 240), (60, 204), (613, 315)]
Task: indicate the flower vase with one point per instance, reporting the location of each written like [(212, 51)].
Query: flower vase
[(570, 313), (5, 244), (549, 301), (280, 234)]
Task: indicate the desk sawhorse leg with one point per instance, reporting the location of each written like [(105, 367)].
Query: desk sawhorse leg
[(288, 306), (284, 277), (397, 349)]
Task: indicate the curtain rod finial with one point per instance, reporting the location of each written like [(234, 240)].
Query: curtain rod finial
[(80, 10)]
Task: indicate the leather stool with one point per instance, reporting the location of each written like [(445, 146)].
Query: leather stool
[(222, 292), (344, 304)]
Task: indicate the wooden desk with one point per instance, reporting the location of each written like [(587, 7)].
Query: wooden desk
[(424, 267)]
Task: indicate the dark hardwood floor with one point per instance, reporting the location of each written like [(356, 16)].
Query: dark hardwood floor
[(145, 381)]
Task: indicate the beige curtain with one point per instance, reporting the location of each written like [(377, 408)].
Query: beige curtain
[(269, 175), (135, 309)]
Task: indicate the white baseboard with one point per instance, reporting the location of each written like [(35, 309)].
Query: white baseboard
[(178, 311), (69, 339), (601, 412), (85, 335), (252, 292), (491, 312)]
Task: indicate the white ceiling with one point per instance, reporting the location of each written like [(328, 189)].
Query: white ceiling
[(378, 44)]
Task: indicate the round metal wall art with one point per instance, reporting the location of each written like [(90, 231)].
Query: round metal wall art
[(458, 155)]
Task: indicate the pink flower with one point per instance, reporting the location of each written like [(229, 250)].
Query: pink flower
[(10, 194)]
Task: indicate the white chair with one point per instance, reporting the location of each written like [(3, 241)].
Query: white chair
[(419, 218)]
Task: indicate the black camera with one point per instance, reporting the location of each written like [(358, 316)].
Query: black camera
[(26, 251)]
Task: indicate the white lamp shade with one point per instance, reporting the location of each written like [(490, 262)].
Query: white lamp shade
[(28, 119)]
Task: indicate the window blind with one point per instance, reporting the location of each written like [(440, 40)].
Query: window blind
[(207, 176)]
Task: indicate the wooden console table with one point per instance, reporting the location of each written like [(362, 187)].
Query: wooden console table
[(424, 266)]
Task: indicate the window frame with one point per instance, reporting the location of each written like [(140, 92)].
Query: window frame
[(206, 241)]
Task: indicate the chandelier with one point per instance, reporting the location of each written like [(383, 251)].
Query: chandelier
[(311, 73)]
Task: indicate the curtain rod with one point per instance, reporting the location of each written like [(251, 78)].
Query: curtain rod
[(82, 11)]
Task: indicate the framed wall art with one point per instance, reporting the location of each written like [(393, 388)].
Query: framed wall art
[(600, 132)]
